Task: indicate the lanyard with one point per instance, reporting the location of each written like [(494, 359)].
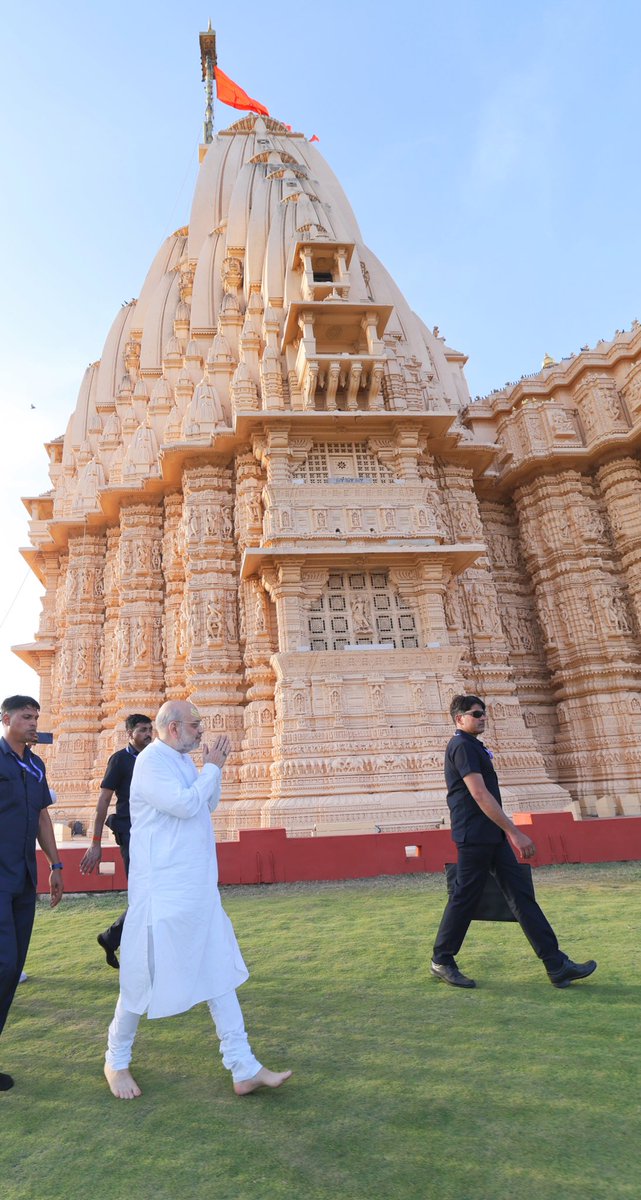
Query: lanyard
[(28, 766), (478, 742)]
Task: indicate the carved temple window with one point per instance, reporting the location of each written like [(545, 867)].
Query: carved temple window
[(341, 462), (360, 608)]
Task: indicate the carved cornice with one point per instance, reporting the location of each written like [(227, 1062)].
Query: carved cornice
[(451, 560)]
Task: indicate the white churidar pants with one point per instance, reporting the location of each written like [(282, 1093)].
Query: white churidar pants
[(227, 1017)]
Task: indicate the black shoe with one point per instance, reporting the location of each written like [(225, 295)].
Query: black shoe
[(109, 951), (450, 973), (571, 971), (6, 1082)]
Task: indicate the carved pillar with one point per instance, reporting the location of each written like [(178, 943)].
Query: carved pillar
[(61, 671), (620, 486), (256, 756), (78, 671), (286, 590), (111, 737), (213, 669), (46, 635), (249, 506), (519, 619), (588, 636), (257, 632), (140, 685), (485, 665), (175, 629)]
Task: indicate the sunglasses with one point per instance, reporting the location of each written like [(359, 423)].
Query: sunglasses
[(474, 713)]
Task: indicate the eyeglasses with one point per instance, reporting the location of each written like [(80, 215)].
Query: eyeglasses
[(474, 713)]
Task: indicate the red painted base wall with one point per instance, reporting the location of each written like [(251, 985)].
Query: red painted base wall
[(270, 856)]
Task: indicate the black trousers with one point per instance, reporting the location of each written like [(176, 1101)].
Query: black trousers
[(17, 911), (475, 863), (113, 934)]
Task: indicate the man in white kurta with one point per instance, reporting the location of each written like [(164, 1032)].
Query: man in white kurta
[(178, 946)]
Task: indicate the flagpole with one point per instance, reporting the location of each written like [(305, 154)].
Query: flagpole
[(208, 62)]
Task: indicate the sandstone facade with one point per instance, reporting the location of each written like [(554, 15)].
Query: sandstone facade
[(274, 496)]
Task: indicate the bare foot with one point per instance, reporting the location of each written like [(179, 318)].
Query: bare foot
[(122, 1084), (262, 1078)]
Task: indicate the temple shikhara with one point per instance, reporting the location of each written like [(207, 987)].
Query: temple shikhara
[(276, 497)]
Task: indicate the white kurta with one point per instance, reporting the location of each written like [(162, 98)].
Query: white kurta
[(178, 945)]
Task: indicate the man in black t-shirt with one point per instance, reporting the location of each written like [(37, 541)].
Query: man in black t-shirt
[(486, 840), (120, 769)]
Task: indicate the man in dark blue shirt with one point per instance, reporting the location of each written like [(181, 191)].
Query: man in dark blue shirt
[(486, 840), (120, 769), (24, 799)]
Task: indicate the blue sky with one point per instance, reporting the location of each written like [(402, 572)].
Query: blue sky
[(490, 152)]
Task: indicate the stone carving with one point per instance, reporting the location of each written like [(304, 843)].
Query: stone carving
[(612, 607), (213, 623), (193, 625), (126, 558), (260, 617), (227, 523), (158, 643), (562, 422), (122, 645), (231, 274), (193, 523), (483, 612), (230, 622), (361, 616), (82, 662), (139, 640)]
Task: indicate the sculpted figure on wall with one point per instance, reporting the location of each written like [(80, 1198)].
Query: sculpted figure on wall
[(158, 641), (227, 524), (361, 616), (612, 607), (483, 612), (122, 645), (193, 624), (260, 616), (214, 622), (193, 523), (230, 621), (140, 640), (82, 662), (126, 557)]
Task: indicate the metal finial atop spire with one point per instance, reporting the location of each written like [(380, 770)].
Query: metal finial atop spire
[(208, 62)]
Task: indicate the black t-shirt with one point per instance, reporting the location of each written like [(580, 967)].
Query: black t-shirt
[(120, 769), (466, 755)]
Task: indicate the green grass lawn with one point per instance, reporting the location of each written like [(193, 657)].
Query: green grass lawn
[(403, 1086)]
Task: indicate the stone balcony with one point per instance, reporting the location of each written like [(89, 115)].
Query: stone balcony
[(340, 383)]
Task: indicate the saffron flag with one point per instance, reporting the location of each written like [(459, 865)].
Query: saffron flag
[(230, 93), (314, 138)]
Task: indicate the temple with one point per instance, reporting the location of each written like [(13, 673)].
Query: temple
[(276, 497)]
